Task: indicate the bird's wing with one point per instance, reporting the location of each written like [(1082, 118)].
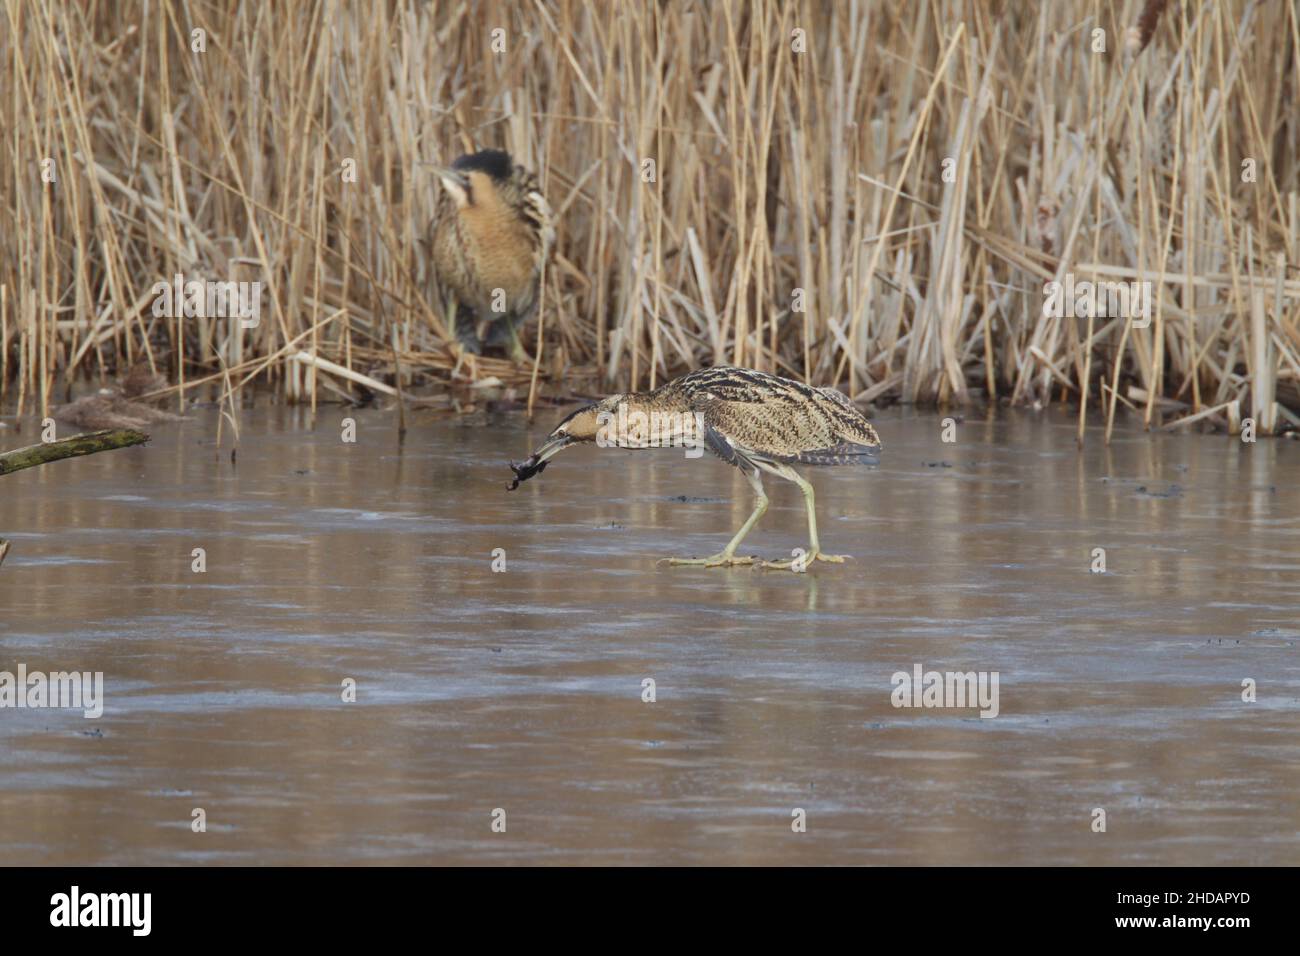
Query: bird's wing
[(786, 429), (720, 419), (858, 441), (839, 398)]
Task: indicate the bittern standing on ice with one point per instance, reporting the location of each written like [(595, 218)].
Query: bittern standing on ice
[(753, 420), (491, 235)]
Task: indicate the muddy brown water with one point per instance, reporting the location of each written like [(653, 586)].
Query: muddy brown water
[(522, 690)]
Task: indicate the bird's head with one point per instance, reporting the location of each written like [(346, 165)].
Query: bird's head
[(475, 175), (582, 425)]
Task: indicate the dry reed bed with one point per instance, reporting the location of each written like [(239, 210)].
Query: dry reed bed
[(775, 171)]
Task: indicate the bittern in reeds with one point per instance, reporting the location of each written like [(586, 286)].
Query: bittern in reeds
[(490, 237), (755, 421)]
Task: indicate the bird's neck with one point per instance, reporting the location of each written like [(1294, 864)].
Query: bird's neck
[(648, 419), (646, 402)]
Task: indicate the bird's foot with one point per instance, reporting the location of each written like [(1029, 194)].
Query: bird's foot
[(802, 562), (720, 560), (468, 344)]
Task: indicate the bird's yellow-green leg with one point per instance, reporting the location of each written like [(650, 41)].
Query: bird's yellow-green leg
[(727, 556), (460, 327), (814, 552), (449, 307), (517, 352)]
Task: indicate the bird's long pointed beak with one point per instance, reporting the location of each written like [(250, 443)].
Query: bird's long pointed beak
[(446, 173), (551, 447)]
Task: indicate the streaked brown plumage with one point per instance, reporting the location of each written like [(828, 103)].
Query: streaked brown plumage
[(490, 237), (762, 416), (750, 419)]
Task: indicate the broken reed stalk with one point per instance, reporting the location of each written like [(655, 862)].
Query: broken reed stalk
[(1263, 385), (797, 148)]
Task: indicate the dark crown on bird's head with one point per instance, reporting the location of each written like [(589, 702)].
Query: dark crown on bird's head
[(585, 423), (493, 162)]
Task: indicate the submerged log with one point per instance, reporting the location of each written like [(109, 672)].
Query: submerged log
[(87, 444)]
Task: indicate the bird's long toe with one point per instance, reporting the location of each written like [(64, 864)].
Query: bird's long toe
[(719, 560), (803, 563)]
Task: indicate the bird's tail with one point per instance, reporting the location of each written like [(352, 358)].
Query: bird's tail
[(845, 453)]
